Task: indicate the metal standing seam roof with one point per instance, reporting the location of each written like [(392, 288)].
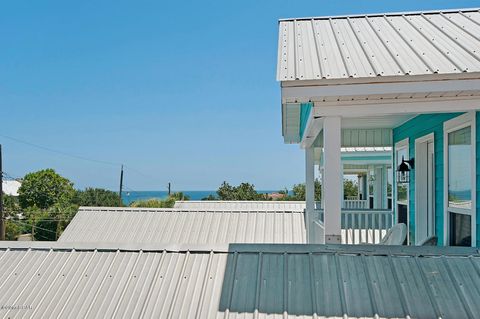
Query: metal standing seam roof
[(389, 44), (139, 225), (53, 280), (242, 205)]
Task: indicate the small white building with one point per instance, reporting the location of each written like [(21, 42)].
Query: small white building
[(11, 187)]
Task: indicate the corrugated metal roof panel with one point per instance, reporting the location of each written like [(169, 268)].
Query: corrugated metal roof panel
[(418, 43), (247, 281), (297, 206), (183, 226)]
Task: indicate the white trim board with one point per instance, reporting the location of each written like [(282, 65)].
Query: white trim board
[(310, 93)]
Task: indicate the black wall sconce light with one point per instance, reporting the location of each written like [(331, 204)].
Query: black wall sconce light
[(403, 170)]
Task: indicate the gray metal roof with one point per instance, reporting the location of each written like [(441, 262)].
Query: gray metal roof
[(390, 44), (242, 205), (182, 226), (52, 280)]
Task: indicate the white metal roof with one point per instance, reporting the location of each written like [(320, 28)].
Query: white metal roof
[(390, 44), (242, 205), (183, 226), (57, 280)]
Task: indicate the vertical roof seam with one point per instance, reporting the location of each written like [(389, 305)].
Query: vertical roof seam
[(341, 285), (313, 284), (153, 283), (259, 285), (285, 283), (468, 18), (373, 301), (317, 49), (112, 262), (52, 284), (178, 285), (453, 39), (347, 68), (201, 301), (428, 289), (230, 292), (77, 283), (295, 53), (29, 250), (364, 50), (403, 299), (125, 287), (459, 26), (430, 67), (432, 42), (458, 291)]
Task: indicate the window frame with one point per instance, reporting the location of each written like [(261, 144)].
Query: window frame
[(455, 124)]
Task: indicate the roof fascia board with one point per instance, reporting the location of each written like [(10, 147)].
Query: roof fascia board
[(318, 93), (381, 79), (410, 106), (388, 14)]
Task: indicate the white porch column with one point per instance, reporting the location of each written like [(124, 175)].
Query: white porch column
[(332, 141), (385, 187), (309, 190), (379, 193)]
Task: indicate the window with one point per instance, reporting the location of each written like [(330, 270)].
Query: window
[(460, 230), (459, 166)]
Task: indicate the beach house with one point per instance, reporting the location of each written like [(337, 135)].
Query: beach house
[(404, 83)]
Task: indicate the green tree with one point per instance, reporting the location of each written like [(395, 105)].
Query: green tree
[(350, 188), (298, 192), (48, 224), (244, 191), (43, 189), (97, 197), (12, 229), (154, 203), (179, 196), (210, 197), (11, 206)]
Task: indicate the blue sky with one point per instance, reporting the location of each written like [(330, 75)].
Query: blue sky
[(180, 91)]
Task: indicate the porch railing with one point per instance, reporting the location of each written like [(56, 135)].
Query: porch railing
[(362, 225), (355, 204)]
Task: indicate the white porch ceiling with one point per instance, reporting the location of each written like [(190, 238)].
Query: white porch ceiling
[(375, 122)]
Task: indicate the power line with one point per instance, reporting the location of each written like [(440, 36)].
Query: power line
[(83, 158), (48, 149), (37, 227)]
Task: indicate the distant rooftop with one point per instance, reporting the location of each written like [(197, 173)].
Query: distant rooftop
[(11, 187), (270, 205), (185, 226), (390, 44)]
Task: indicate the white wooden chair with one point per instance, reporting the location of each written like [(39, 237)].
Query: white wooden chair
[(395, 235)]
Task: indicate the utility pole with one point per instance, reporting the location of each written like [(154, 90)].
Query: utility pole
[(2, 216), (169, 188), (121, 186)]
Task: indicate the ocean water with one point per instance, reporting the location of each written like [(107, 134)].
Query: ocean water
[(129, 197)]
